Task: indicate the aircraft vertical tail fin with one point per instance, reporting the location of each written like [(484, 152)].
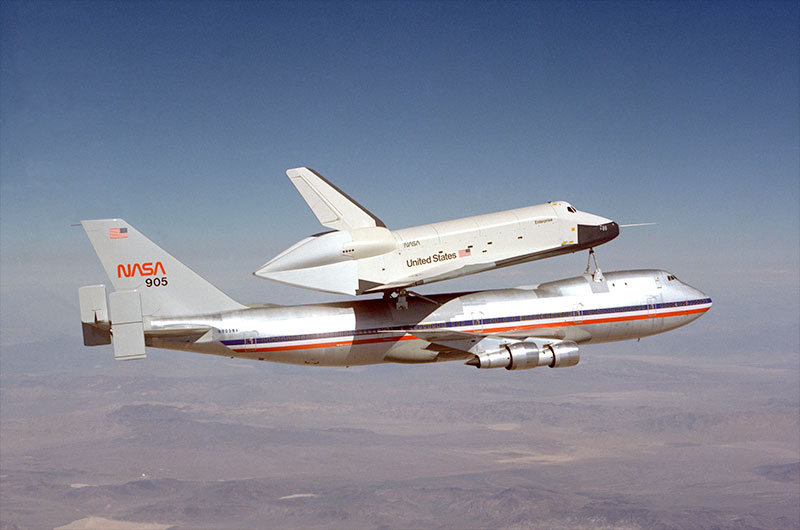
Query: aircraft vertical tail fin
[(165, 286), (333, 207)]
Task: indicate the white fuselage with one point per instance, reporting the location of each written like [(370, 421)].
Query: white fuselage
[(624, 305)]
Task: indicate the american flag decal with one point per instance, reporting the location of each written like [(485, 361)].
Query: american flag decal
[(118, 233), (464, 253)]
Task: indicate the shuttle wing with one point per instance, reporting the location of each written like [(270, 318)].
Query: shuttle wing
[(334, 208)]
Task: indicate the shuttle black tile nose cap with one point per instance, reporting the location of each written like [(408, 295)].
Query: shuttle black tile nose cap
[(593, 235)]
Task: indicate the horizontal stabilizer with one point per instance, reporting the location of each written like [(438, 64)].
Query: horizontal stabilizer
[(191, 334), (127, 329), (334, 208), (94, 315), (94, 335)]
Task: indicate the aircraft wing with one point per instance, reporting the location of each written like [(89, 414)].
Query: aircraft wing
[(466, 344), (452, 269), (445, 272), (334, 208), (519, 334)]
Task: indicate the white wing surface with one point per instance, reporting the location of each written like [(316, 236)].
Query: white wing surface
[(334, 208)]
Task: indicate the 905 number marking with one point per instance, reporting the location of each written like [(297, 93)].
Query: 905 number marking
[(156, 282)]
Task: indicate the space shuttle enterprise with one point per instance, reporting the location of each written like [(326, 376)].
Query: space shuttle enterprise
[(361, 255)]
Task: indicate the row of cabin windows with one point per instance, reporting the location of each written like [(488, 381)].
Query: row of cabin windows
[(499, 320)]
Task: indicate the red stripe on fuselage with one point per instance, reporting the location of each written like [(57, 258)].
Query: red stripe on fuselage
[(410, 334), (600, 320)]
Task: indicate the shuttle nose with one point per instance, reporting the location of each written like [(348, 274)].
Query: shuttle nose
[(593, 235)]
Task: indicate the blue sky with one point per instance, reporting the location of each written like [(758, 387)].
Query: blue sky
[(183, 117)]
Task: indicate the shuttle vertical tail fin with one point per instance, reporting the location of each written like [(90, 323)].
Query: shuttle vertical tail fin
[(333, 207), (166, 286)]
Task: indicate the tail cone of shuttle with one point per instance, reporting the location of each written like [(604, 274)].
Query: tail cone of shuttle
[(328, 261)]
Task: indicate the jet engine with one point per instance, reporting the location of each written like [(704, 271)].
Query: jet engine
[(527, 355)]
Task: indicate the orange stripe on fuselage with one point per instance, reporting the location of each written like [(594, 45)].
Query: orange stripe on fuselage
[(410, 334), (601, 320)]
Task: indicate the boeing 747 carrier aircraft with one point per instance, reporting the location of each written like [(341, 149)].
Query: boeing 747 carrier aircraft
[(159, 302)]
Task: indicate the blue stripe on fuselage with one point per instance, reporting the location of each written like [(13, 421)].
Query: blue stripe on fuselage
[(457, 324)]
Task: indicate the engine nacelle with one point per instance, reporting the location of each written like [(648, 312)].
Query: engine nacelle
[(495, 359), (565, 353), (527, 355)]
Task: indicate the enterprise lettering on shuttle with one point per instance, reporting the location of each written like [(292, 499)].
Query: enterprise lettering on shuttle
[(435, 258)]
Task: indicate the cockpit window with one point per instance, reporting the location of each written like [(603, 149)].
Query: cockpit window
[(671, 277), (570, 209)]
